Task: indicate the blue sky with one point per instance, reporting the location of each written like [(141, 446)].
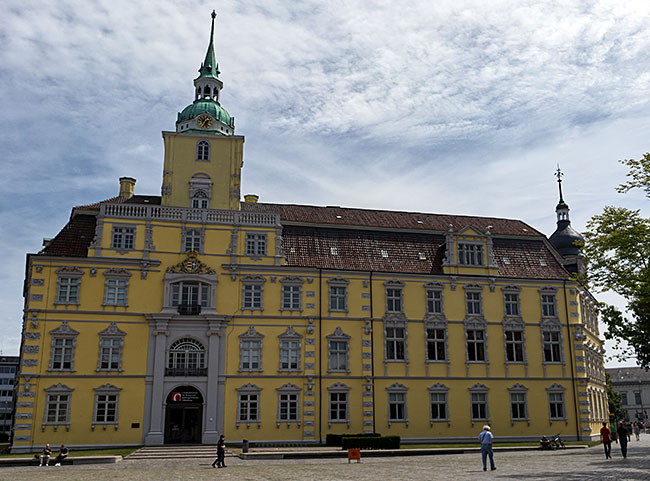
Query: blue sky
[(449, 106)]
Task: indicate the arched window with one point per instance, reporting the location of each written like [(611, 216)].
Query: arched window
[(200, 200), (206, 92), (186, 358), (203, 151)]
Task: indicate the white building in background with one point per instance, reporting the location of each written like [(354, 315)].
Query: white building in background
[(633, 384), (8, 367)]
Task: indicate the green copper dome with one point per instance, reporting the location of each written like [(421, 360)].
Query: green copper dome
[(206, 106)]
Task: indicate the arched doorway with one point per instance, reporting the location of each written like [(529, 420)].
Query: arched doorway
[(184, 416)]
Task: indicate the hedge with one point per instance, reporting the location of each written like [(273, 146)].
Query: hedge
[(381, 442), (336, 439)]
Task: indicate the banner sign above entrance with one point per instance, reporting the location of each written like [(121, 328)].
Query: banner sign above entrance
[(185, 397)]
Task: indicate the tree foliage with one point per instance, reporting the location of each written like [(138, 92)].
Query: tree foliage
[(614, 401), (617, 252)]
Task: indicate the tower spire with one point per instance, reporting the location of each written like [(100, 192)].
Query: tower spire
[(559, 174), (210, 67)]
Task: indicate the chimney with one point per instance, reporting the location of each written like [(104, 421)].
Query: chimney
[(251, 198), (127, 186)]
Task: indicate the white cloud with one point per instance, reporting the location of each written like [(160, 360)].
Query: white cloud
[(446, 106)]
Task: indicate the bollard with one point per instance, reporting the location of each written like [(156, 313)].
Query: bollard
[(244, 446)]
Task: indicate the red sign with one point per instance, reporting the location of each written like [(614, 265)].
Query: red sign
[(176, 396)]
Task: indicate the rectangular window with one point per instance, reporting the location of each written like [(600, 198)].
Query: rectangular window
[(434, 301), (62, 353), (338, 356), (255, 244), (470, 254), (397, 406), (68, 290), (393, 300), (291, 297), (395, 343), (436, 345), (514, 346), (518, 405), (338, 406), (116, 292), (249, 407), (337, 298), (106, 411), (479, 406), (552, 346), (475, 345), (548, 305), (250, 354), (110, 354), (637, 398), (438, 406), (123, 238), (473, 302), (189, 293), (289, 355), (192, 240), (624, 398), (556, 405), (511, 304), (57, 408), (288, 409), (252, 296)]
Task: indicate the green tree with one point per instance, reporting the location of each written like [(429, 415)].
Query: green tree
[(617, 252), (614, 400)]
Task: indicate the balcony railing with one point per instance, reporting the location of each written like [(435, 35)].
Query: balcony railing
[(177, 214), (189, 309), (186, 371)]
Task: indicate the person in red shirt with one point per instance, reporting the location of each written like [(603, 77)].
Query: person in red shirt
[(606, 438)]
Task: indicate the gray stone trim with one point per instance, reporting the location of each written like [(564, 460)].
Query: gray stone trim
[(292, 281), (552, 325), (172, 278), (63, 331), (395, 320), (398, 285), (515, 324), (200, 183), (112, 332), (290, 335), (556, 388), (68, 272), (56, 390), (257, 237), (519, 389), (249, 389), (106, 389), (251, 280), (476, 324), (431, 287), (184, 237), (338, 282), (116, 274)]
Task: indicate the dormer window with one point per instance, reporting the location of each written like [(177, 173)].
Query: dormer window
[(470, 254)]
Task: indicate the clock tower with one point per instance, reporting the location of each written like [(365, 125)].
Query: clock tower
[(203, 157)]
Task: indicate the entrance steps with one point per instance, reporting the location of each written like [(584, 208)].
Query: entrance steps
[(176, 451)]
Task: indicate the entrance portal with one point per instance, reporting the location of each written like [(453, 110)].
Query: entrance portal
[(184, 416)]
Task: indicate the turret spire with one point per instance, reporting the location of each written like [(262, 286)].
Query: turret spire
[(210, 67), (565, 239), (559, 174)]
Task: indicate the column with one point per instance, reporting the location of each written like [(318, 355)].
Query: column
[(155, 436)]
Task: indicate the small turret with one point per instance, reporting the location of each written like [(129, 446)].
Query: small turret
[(566, 240)]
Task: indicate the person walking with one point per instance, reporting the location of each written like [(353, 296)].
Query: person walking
[(636, 429), (221, 453), (606, 439), (47, 454), (623, 433), (486, 438)]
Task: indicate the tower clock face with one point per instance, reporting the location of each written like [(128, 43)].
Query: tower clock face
[(204, 121)]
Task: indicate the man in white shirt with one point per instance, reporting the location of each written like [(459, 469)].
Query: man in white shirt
[(486, 438)]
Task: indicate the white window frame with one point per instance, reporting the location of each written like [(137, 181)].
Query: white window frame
[(105, 391), (437, 341), (473, 302), (244, 397), (123, 237), (548, 302), (190, 361), (252, 293), (475, 343), (115, 350), (288, 394), (54, 395), (203, 151), (116, 287), (392, 337), (437, 393), (291, 294), (338, 336), (513, 329), (337, 284), (557, 390), (470, 253), (256, 339), (256, 244), (397, 396), (338, 389), (394, 298), (553, 330), (516, 392), (192, 240), (434, 299), (200, 200), (68, 286), (65, 333), (290, 344), (475, 391)]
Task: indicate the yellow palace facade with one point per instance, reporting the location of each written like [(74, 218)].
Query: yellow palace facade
[(174, 318)]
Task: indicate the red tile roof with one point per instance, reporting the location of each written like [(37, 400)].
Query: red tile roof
[(74, 238), (343, 216)]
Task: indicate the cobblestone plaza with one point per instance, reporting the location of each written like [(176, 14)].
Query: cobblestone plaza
[(569, 465)]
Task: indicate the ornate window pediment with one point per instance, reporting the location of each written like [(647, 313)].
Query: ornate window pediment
[(438, 387), (64, 330)]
